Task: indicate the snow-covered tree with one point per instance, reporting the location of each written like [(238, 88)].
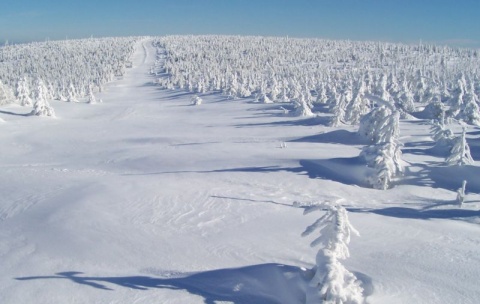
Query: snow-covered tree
[(358, 106), (41, 106), (196, 100), (439, 131), (71, 94), (460, 152), (91, 96), (470, 111), (386, 160), (23, 92), (461, 194), (405, 102), (302, 108), (381, 128), (334, 282), (6, 94), (338, 112)]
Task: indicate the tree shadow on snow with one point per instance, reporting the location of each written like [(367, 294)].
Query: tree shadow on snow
[(264, 169), (265, 283), (446, 177), (15, 114), (349, 171), (293, 121), (334, 137), (411, 213), (257, 284)]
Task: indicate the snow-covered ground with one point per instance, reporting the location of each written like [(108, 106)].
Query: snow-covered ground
[(145, 198)]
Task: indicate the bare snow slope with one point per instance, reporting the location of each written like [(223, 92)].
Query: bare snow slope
[(146, 199)]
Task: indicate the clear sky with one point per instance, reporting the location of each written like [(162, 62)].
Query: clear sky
[(455, 22)]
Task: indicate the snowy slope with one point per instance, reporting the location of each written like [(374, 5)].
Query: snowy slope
[(146, 199)]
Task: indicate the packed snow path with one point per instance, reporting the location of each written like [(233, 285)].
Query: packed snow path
[(146, 199)]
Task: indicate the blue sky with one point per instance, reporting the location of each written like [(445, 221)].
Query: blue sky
[(455, 22)]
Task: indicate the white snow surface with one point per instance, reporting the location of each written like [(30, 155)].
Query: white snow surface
[(146, 199)]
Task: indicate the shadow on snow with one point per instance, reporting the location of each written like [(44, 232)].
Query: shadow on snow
[(334, 137), (266, 283), (446, 177), (411, 213)]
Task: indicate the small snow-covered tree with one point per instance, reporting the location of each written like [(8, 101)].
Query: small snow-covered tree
[(263, 98), (91, 96), (460, 152), (71, 95), (23, 92), (461, 194), (405, 101), (322, 97), (339, 112), (470, 112), (302, 108), (336, 285), (439, 131), (41, 106), (6, 94), (358, 106), (196, 100)]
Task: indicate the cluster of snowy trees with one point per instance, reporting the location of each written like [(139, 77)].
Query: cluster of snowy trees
[(62, 70), (351, 77)]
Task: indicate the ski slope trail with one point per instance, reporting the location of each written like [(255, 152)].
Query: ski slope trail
[(146, 199)]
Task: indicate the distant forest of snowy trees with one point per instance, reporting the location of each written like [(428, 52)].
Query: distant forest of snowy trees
[(351, 77), (61, 70)]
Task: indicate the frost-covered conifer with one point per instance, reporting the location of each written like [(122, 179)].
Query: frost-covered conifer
[(302, 108), (339, 112), (23, 92), (386, 160), (460, 152), (405, 102), (358, 106), (91, 96), (334, 282), (71, 95), (41, 106), (196, 100), (6, 94), (322, 97), (461, 194), (381, 128), (470, 111), (439, 131), (457, 101)]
